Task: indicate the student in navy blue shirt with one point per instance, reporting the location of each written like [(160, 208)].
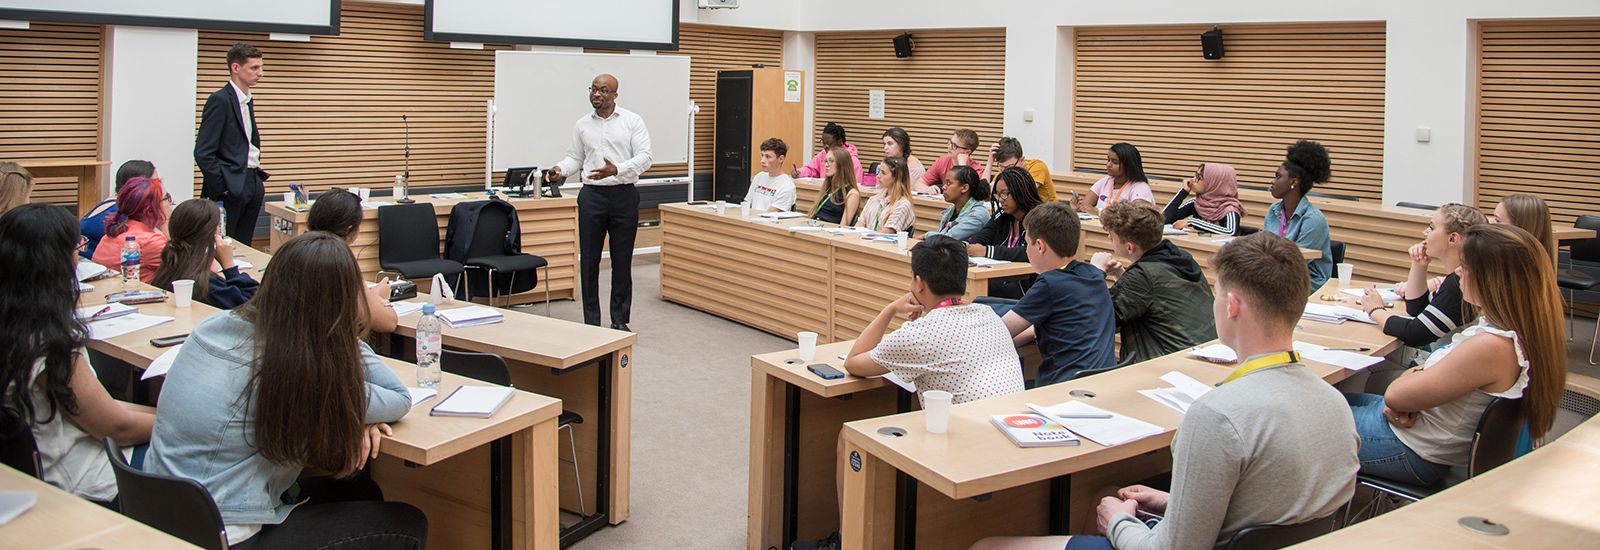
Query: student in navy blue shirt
[(1068, 309), (193, 245), (93, 224)]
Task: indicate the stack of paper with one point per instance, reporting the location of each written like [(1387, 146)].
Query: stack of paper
[(982, 261), (473, 401), (1335, 314), (113, 310), (112, 328), (1218, 353), (419, 395), (1168, 229), (90, 270), (1099, 425), (782, 215), (845, 230), (471, 316), (402, 309), (1388, 294), (805, 229), (1184, 392)]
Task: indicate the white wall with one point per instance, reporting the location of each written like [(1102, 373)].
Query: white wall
[(149, 103), (800, 54)]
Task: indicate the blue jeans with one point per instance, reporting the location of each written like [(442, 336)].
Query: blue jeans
[(1384, 455)]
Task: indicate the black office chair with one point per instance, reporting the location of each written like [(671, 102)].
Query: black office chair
[(1572, 280), (1337, 249), (18, 449), (1245, 230), (493, 265), (177, 506), (1085, 373), (1273, 537), (408, 243), (1494, 442), (1404, 204), (491, 368)]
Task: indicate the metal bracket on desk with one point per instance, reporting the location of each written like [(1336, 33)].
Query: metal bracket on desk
[(791, 463)]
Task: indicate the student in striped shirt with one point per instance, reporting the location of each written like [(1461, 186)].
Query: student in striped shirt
[(1208, 202), (1432, 315)]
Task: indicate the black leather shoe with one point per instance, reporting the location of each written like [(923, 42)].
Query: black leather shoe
[(620, 326)]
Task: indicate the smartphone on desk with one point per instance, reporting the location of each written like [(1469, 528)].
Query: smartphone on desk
[(825, 371)]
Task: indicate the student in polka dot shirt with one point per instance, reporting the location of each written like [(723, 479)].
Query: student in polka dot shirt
[(946, 345)]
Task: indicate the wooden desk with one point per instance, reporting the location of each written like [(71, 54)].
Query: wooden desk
[(1518, 495), (1565, 235), (435, 463), (87, 170), (929, 208), (549, 230), (767, 277), (589, 369), (62, 520), (1366, 334), (1201, 246)]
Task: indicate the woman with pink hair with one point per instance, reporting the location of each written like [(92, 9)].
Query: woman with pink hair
[(142, 209)]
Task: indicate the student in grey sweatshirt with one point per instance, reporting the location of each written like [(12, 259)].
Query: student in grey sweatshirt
[(1269, 446)]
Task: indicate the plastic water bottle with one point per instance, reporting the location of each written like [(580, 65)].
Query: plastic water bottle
[(222, 223), (130, 262), (429, 343)]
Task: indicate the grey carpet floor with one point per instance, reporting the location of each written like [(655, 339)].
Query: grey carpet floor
[(691, 417)]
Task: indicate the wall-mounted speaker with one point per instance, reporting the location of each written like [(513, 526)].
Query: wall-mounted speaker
[(902, 45), (1211, 43)]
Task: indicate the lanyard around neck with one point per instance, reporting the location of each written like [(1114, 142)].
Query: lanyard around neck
[(1262, 363), (1116, 193)]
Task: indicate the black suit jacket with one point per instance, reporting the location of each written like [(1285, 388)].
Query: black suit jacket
[(220, 149)]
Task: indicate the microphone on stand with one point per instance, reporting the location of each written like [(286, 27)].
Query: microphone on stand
[(405, 177)]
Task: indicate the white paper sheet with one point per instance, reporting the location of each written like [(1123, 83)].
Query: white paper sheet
[(112, 328), (112, 310), (1388, 294), (782, 215), (14, 503), (418, 395), (403, 309), (1108, 432), (162, 364), (982, 261), (88, 270), (898, 381)]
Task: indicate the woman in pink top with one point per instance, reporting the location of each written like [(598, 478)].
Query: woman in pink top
[(142, 209), (1124, 181)]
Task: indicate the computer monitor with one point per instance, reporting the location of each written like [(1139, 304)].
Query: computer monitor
[(520, 177)]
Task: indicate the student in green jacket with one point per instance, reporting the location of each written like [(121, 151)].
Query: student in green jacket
[(1161, 296)]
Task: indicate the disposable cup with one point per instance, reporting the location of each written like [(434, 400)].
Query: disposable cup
[(903, 241), (808, 346), (288, 197), (1346, 271), (936, 409), (182, 292)]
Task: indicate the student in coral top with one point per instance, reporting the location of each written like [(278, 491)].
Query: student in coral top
[(142, 209), (963, 143), (1124, 181), (832, 138)]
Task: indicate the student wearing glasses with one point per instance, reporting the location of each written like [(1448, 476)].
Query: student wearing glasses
[(962, 144), (142, 209), (1007, 152), (968, 196), (1124, 181), (1209, 201), (1005, 237)]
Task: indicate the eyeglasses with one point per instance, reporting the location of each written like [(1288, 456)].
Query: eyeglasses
[(83, 243), (1002, 194), (958, 147), (602, 90), (167, 198)]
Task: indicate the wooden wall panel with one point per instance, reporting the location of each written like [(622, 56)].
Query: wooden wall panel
[(1539, 114), (329, 109), (50, 99), (1151, 87), (954, 79)]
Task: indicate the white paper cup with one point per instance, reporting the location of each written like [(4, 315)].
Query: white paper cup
[(288, 197), (1346, 271), (936, 410), (722, 207), (182, 292), (902, 241), (744, 209), (363, 193), (1100, 259), (808, 346)]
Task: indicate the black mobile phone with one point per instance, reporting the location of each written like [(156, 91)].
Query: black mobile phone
[(168, 341), (825, 371)]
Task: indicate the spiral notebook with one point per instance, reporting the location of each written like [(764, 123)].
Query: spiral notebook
[(473, 401)]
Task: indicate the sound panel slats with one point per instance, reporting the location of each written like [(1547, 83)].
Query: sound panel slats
[(50, 99)]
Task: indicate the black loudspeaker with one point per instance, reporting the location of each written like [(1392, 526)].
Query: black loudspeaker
[(902, 45), (1211, 43)]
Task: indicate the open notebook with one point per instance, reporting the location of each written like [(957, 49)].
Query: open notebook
[(473, 401)]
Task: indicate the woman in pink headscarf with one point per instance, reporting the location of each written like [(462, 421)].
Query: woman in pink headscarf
[(1214, 206)]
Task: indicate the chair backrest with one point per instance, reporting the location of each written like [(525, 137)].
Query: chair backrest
[(18, 449), (485, 367), (489, 237), (407, 232), (1587, 250), (177, 506), (1337, 248), (1273, 537), (1495, 440)]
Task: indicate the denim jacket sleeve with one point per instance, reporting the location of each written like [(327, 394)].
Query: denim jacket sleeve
[(387, 397)]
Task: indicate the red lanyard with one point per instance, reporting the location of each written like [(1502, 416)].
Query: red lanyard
[(950, 302)]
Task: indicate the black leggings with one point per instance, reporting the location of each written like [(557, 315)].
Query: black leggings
[(344, 515)]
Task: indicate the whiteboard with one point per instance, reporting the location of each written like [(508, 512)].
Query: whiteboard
[(637, 24), (308, 16), (539, 97)]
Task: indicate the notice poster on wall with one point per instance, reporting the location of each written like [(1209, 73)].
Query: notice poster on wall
[(875, 104), (791, 86)]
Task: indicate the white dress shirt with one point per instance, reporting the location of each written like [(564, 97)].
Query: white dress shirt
[(622, 139), (254, 160)]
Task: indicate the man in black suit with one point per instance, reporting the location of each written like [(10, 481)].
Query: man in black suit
[(228, 148)]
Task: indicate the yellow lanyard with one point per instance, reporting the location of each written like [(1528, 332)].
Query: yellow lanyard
[(1262, 363)]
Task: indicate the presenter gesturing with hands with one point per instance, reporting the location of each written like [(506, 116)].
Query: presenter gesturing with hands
[(610, 148)]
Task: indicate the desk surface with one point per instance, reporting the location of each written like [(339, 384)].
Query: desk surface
[(61, 520), (528, 338)]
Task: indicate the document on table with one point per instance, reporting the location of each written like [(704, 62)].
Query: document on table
[(242, 264), (805, 229), (1388, 294), (904, 384), (781, 215), (112, 310), (112, 328), (1184, 392), (1335, 314), (1224, 240), (90, 270), (981, 261), (162, 364), (470, 316), (1218, 353), (448, 196), (1109, 432), (1168, 229), (418, 395), (373, 205), (473, 401), (403, 309), (14, 503)]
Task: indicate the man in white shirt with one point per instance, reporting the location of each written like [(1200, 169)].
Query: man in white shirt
[(611, 147), (771, 190), (227, 147)]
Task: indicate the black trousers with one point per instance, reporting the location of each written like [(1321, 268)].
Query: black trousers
[(243, 211), (607, 210), (345, 515)]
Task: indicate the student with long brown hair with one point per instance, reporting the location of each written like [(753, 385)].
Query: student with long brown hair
[(840, 199), (890, 211), (280, 387), (193, 243), (1530, 213), (339, 212), (1423, 424)]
